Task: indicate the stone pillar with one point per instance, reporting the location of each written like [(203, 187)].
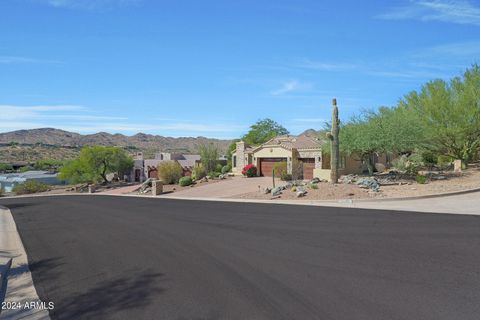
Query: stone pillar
[(157, 187), (457, 166)]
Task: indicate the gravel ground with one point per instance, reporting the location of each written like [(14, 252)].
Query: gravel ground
[(469, 179)]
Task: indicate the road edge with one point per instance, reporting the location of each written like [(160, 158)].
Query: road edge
[(20, 287)]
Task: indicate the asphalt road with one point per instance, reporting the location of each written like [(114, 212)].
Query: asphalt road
[(104, 257)]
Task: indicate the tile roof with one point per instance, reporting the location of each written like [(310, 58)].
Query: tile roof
[(294, 142)]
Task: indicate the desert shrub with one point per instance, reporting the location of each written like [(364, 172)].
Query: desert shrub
[(280, 169), (218, 168), (286, 177), (226, 169), (421, 179), (214, 174), (314, 186), (294, 189), (199, 172), (185, 181), (170, 171), (408, 164), (5, 167), (30, 186), (444, 162), (249, 170), (429, 158), (25, 169)]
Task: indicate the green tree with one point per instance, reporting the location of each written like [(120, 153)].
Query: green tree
[(262, 131), (389, 130), (170, 171), (209, 155), (95, 163), (450, 114)]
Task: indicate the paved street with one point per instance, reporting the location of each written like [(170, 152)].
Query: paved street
[(105, 257)]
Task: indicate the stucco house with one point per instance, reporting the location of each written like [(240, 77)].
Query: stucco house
[(147, 168), (304, 153)]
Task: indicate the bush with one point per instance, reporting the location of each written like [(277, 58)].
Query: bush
[(199, 172), (185, 181), (421, 179), (314, 186), (170, 171), (226, 168), (286, 177), (5, 167), (280, 169), (214, 174), (444, 162), (25, 169), (30, 186), (218, 168), (408, 164), (249, 170)]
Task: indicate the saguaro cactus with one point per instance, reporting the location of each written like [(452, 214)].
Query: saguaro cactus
[(335, 150)]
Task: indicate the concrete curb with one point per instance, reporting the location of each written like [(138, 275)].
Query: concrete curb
[(428, 196), (20, 288)]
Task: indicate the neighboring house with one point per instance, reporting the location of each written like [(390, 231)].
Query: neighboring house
[(147, 168), (9, 180), (304, 156)]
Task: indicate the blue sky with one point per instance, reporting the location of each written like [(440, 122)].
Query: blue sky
[(212, 68)]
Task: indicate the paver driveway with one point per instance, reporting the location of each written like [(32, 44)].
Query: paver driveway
[(224, 189)]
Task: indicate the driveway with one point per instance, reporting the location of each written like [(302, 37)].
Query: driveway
[(225, 188), (108, 257)]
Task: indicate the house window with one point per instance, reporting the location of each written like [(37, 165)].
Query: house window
[(234, 161)]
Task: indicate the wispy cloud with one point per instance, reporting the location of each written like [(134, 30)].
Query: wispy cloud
[(79, 119), (88, 4), (290, 87), (17, 60), (453, 11)]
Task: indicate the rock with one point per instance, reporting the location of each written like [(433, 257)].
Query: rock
[(369, 183), (439, 177), (230, 174), (276, 191), (380, 167), (222, 176), (208, 177), (301, 192), (267, 190), (315, 180), (347, 179)]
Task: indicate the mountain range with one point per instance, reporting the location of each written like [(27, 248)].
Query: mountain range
[(61, 138)]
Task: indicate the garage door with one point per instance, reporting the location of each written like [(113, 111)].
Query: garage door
[(266, 165), (308, 166)]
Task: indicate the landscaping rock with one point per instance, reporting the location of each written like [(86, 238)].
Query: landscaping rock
[(347, 179), (380, 167), (267, 190), (439, 177), (276, 191), (369, 183), (315, 180), (301, 192)]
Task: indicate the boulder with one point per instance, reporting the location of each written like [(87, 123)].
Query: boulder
[(380, 167), (301, 192), (369, 183), (267, 190), (276, 191), (315, 180)]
